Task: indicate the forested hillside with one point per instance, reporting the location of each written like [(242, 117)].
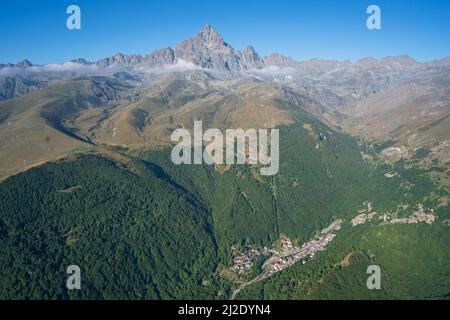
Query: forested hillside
[(132, 234)]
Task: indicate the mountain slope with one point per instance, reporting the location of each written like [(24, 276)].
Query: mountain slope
[(134, 236), (410, 116), (51, 123)]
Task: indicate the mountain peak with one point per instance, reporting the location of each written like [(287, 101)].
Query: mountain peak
[(279, 60), (250, 49), (24, 64), (251, 59), (208, 50), (210, 38), (209, 30)]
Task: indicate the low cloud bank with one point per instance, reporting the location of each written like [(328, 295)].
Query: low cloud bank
[(65, 67), (93, 69), (180, 66)]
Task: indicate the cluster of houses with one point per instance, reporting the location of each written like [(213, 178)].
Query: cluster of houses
[(385, 217), (285, 254), (295, 254), (441, 146), (418, 216), (243, 263), (362, 218)]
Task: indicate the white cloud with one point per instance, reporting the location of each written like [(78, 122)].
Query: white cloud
[(7, 72), (70, 67), (180, 66), (93, 69), (65, 67)]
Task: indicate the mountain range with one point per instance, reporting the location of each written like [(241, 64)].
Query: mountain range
[(208, 50)]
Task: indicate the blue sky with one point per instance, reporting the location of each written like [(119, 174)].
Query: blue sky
[(326, 29)]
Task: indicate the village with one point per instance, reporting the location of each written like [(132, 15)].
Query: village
[(419, 216), (362, 218), (283, 254)]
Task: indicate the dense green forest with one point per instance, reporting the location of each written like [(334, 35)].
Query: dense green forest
[(134, 235)]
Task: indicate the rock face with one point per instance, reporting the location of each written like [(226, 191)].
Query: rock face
[(160, 57), (210, 51), (21, 64), (251, 59), (81, 61), (103, 90), (121, 60), (279, 60), (11, 87), (24, 64), (207, 49)]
